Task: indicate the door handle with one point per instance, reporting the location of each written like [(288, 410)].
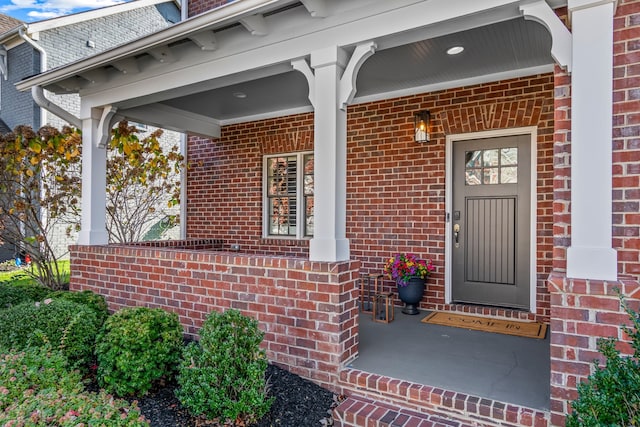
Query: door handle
[(456, 232)]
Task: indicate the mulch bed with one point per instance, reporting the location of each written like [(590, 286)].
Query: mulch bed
[(298, 403)]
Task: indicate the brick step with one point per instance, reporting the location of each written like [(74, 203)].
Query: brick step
[(434, 404), (356, 411)]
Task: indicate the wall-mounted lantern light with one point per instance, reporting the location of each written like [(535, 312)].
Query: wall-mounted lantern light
[(421, 122)]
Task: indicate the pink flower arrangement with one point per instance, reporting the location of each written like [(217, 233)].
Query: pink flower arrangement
[(405, 266)]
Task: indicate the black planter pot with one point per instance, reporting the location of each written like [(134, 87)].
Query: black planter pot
[(411, 295)]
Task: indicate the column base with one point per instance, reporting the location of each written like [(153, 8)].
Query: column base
[(93, 237), (329, 250), (592, 263)]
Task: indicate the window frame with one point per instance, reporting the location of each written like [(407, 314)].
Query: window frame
[(301, 217)]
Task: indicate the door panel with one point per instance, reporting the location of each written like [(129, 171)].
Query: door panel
[(489, 252), (491, 211)]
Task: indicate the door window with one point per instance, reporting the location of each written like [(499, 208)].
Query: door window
[(491, 166)]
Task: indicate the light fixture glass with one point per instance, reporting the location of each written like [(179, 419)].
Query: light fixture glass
[(240, 95), (421, 124), (455, 50)]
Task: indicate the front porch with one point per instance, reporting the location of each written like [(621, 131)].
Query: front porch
[(498, 367), (408, 371), (309, 313)]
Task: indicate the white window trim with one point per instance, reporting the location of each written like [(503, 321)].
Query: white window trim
[(301, 223)]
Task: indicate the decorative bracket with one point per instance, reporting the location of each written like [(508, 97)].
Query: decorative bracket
[(348, 81), (303, 66), (255, 24), (105, 125), (316, 8), (561, 36)]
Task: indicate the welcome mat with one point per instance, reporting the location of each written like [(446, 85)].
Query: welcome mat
[(500, 326)]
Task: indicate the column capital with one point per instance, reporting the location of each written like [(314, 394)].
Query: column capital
[(576, 5), (333, 55)]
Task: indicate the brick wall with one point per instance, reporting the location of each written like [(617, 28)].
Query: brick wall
[(395, 187), (582, 311), (307, 309), (196, 7)]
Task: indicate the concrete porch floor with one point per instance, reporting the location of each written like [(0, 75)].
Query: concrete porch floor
[(500, 367)]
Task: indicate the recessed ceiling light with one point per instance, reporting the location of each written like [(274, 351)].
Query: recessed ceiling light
[(455, 50), (240, 95)]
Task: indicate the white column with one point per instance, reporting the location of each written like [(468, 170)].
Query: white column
[(591, 254), (330, 159), (93, 230)]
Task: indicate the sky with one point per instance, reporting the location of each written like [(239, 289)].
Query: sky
[(37, 10)]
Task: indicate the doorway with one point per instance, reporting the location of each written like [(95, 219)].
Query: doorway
[(490, 218)]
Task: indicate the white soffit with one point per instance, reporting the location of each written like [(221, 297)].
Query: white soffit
[(212, 56)]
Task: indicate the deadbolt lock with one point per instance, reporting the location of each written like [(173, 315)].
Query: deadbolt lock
[(456, 234)]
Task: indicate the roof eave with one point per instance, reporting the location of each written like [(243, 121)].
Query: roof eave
[(229, 13), (73, 18)]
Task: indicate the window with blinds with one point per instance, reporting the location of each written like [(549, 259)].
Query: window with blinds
[(289, 195)]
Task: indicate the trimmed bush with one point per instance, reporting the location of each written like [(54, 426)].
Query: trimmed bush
[(92, 300), (136, 347), (37, 389), (611, 397), (16, 292), (67, 326), (33, 370), (224, 376)]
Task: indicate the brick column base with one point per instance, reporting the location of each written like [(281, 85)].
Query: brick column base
[(581, 312)]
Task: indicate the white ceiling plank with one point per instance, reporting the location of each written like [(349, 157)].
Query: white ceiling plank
[(161, 95)]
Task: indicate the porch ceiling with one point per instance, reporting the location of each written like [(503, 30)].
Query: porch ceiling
[(234, 64), (490, 51)]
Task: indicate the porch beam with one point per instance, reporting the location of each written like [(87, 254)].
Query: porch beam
[(591, 255), (166, 117), (329, 242), (93, 230)]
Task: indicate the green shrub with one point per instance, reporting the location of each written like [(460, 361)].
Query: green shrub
[(53, 408), (37, 389), (224, 376), (34, 370), (136, 347), (92, 300), (65, 325), (16, 292), (611, 397)]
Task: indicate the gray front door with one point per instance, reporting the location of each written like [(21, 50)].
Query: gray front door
[(491, 221)]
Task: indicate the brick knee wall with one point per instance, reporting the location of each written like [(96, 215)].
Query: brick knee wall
[(307, 309), (582, 311)]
